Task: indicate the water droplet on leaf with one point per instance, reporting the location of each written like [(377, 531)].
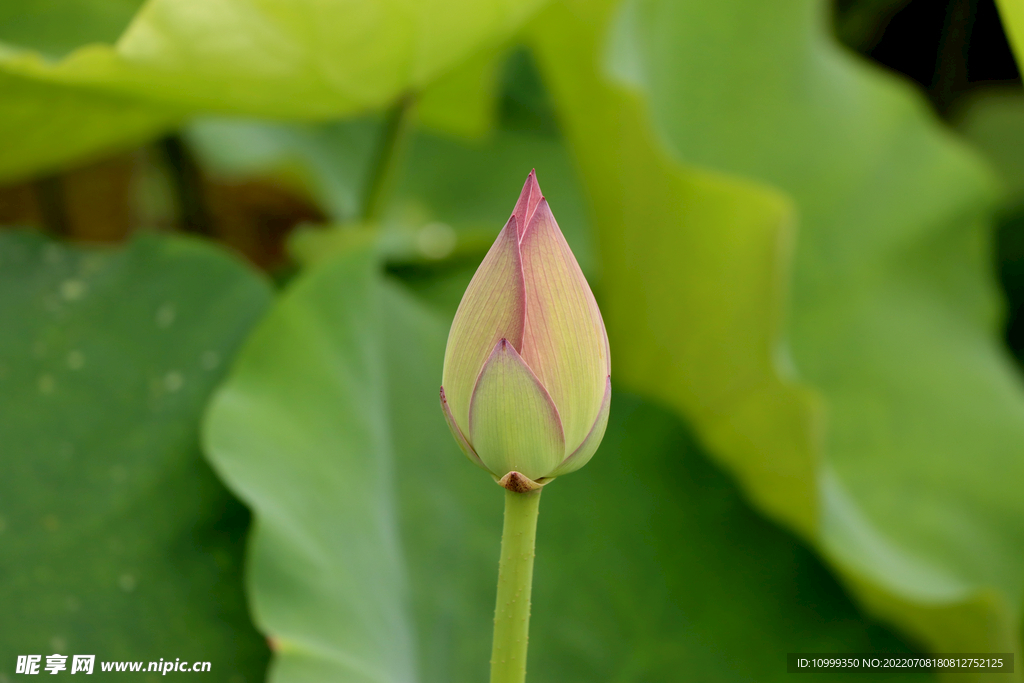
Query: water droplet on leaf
[(127, 582), (173, 381), (46, 384), (72, 290), (76, 360), (165, 315)]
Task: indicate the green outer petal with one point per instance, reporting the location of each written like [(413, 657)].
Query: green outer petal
[(581, 456), (460, 437), (513, 424), (564, 340), (492, 308)]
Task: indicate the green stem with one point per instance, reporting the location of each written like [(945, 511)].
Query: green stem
[(385, 164), (187, 180), (515, 579)]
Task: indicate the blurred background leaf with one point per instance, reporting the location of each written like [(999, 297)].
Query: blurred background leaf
[(862, 23), (326, 162), (993, 120), (696, 272), (117, 540), (1012, 12), (393, 579), (45, 125), (294, 60), (285, 59), (56, 27), (461, 103), (301, 434), (894, 312), (451, 199)]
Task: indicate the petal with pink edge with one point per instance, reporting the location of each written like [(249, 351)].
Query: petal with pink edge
[(492, 308), (582, 455), (564, 340), (513, 425), (526, 205), (460, 438)]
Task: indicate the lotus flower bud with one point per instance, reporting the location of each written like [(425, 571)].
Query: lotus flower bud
[(526, 384)]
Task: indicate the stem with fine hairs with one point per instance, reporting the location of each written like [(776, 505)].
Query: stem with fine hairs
[(515, 580)]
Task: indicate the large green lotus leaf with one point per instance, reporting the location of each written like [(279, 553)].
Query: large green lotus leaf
[(117, 540), (373, 555), (301, 433), (290, 59), (330, 162), (459, 102), (45, 126), (56, 27), (281, 58), (894, 310), (694, 269)]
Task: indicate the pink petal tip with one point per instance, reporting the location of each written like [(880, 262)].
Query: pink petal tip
[(529, 198)]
